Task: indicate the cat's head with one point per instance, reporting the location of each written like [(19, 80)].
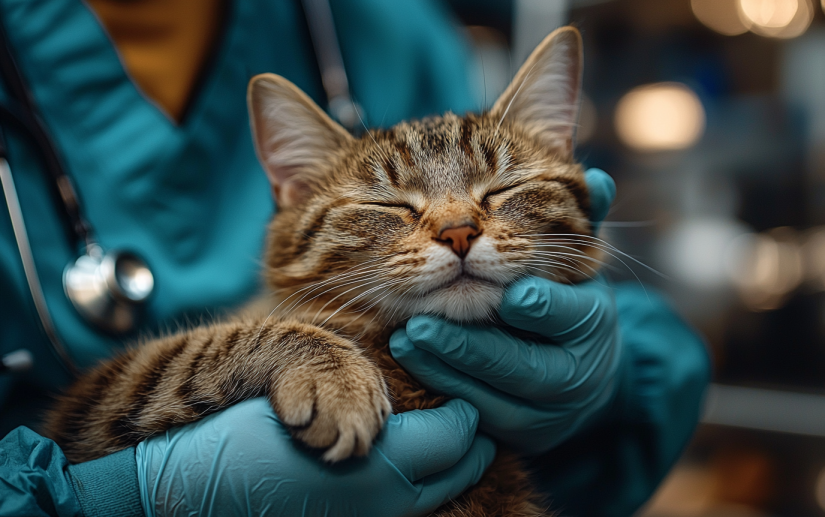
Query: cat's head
[(433, 216)]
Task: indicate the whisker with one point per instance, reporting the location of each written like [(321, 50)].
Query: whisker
[(350, 302), (624, 264), (352, 280), (578, 257), (375, 301), (606, 247), (627, 224), (599, 244), (341, 276), (339, 295), (553, 263), (263, 324), (571, 261)]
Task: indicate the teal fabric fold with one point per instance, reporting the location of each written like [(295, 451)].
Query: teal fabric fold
[(34, 478), (108, 486)]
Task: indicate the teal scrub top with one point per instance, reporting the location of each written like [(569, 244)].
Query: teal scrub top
[(191, 198)]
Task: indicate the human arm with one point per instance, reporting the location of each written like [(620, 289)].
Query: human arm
[(36, 480), (612, 468), (242, 461)]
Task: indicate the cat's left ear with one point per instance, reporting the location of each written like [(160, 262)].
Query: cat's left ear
[(295, 140), (544, 96)]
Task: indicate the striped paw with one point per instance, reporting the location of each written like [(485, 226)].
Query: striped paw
[(338, 402)]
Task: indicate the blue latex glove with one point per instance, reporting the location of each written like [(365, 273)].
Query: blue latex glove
[(242, 461), (611, 469), (531, 396)]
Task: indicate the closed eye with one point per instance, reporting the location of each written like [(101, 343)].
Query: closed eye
[(498, 191), (404, 206)]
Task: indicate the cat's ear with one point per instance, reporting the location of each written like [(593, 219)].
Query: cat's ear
[(295, 140), (544, 96)]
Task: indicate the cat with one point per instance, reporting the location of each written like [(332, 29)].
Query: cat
[(434, 216)]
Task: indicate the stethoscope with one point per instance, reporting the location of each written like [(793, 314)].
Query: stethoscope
[(109, 288)]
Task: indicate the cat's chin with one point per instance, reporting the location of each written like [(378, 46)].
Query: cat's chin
[(467, 299)]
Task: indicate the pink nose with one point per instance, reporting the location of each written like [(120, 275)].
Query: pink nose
[(459, 238)]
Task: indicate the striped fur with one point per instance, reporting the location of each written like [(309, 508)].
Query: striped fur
[(354, 251)]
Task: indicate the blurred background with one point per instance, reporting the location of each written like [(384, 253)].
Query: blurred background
[(710, 115)]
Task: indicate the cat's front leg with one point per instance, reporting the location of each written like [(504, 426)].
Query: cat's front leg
[(332, 397), (320, 384)]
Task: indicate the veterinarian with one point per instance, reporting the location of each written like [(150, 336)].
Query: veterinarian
[(143, 103)]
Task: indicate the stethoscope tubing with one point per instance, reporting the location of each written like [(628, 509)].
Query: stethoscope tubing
[(22, 113), (21, 235)]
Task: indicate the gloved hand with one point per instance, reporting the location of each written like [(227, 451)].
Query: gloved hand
[(242, 461), (531, 396), (611, 469)]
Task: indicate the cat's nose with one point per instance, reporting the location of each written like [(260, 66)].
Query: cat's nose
[(459, 238)]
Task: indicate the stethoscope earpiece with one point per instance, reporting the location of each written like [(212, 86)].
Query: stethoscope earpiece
[(109, 288)]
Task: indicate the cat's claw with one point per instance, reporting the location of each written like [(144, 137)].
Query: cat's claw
[(337, 405)]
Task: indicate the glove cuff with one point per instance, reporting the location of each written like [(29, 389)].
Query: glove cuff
[(108, 485)]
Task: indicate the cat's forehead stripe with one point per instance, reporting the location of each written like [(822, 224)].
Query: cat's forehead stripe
[(439, 154)]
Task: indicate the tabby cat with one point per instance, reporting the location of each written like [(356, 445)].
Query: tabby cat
[(434, 216)]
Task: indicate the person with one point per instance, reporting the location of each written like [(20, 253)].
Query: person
[(160, 152)]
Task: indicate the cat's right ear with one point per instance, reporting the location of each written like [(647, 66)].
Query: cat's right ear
[(543, 97), (295, 140)]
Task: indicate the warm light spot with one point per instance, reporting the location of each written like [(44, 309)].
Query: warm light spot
[(820, 482), (800, 23), (720, 15), (777, 18), (660, 117), (769, 13), (766, 268)]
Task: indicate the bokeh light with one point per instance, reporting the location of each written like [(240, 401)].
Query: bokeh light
[(771, 18), (694, 250), (660, 117), (777, 18), (720, 15), (769, 13), (765, 268), (820, 482)]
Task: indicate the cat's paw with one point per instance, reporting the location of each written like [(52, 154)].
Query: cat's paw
[(338, 402)]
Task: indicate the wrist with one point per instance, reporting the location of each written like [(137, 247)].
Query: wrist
[(667, 362), (108, 485), (622, 406)]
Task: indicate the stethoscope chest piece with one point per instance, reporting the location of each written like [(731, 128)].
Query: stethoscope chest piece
[(109, 288)]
